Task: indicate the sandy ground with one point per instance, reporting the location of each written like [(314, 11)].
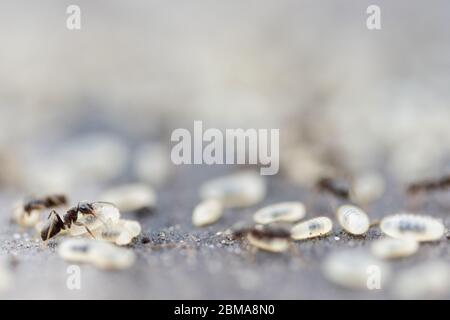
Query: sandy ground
[(183, 262)]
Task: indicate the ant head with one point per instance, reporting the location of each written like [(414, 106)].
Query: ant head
[(85, 207)]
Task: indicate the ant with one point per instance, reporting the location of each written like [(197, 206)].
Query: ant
[(267, 238), (331, 186), (270, 233), (47, 202), (55, 224), (262, 233), (429, 185)]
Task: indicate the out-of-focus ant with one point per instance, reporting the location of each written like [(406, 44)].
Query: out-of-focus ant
[(47, 202), (417, 190), (429, 185), (333, 187)]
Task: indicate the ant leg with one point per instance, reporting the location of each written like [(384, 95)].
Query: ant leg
[(49, 232), (87, 229)]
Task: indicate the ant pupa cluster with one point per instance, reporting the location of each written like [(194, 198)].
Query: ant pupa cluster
[(347, 269), (277, 225), (96, 219), (275, 228)]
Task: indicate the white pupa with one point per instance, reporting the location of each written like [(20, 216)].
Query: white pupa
[(120, 233), (355, 270), (420, 228), (312, 228), (207, 212), (130, 197), (392, 248), (76, 250), (241, 189), (280, 212), (101, 254), (353, 220), (367, 188), (429, 280)]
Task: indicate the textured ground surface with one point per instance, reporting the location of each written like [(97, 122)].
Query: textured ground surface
[(182, 262)]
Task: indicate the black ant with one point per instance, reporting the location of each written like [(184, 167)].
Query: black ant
[(262, 233), (429, 185), (270, 233), (47, 202), (55, 224), (331, 186)]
